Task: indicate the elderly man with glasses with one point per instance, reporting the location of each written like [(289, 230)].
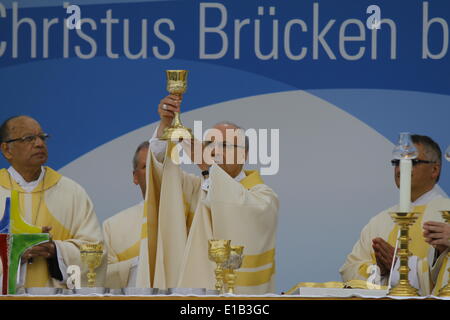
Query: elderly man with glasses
[(48, 200), (183, 211), (373, 254)]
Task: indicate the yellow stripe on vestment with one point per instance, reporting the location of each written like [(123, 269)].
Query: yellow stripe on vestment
[(417, 245), (144, 231), (59, 231), (6, 181), (50, 179), (439, 282), (252, 179), (425, 267), (40, 216), (258, 260), (130, 253), (188, 214), (256, 278), (363, 269), (37, 273), (18, 224)]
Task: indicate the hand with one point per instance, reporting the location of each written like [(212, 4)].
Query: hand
[(166, 109), (46, 250), (384, 255), (437, 234)]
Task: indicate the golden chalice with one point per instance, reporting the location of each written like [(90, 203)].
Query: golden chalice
[(445, 291), (404, 220), (91, 255), (219, 252), (233, 263), (177, 84)]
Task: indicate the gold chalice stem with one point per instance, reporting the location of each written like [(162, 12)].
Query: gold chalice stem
[(219, 278), (91, 277), (176, 121), (231, 280)]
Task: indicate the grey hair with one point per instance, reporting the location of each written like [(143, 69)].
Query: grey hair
[(143, 145), (232, 124), (431, 148)]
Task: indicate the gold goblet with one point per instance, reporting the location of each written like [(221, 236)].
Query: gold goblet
[(219, 252), (233, 263), (404, 220), (91, 255), (445, 291), (176, 84)]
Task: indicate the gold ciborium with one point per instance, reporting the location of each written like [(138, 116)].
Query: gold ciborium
[(177, 84), (219, 252), (445, 291), (233, 263), (404, 220), (91, 255)]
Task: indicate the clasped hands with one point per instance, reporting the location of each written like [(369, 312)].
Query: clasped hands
[(437, 234), (46, 250)]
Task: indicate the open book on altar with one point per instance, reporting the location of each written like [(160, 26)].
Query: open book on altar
[(335, 288)]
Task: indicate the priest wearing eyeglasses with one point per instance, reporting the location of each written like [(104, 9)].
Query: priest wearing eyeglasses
[(48, 200), (374, 251), (184, 211)]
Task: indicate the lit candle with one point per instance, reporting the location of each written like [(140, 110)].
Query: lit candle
[(405, 151), (405, 185)]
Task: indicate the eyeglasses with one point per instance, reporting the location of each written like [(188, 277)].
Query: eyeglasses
[(396, 162), (220, 145), (31, 139)]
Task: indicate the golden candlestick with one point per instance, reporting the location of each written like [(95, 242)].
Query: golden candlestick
[(233, 263), (445, 291), (404, 220), (91, 255), (219, 252), (176, 84)]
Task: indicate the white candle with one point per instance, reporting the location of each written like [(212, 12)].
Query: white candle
[(405, 185)]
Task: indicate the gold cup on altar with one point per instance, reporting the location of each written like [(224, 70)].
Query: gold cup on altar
[(445, 291), (177, 84), (404, 220), (233, 263), (219, 252), (91, 256)]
